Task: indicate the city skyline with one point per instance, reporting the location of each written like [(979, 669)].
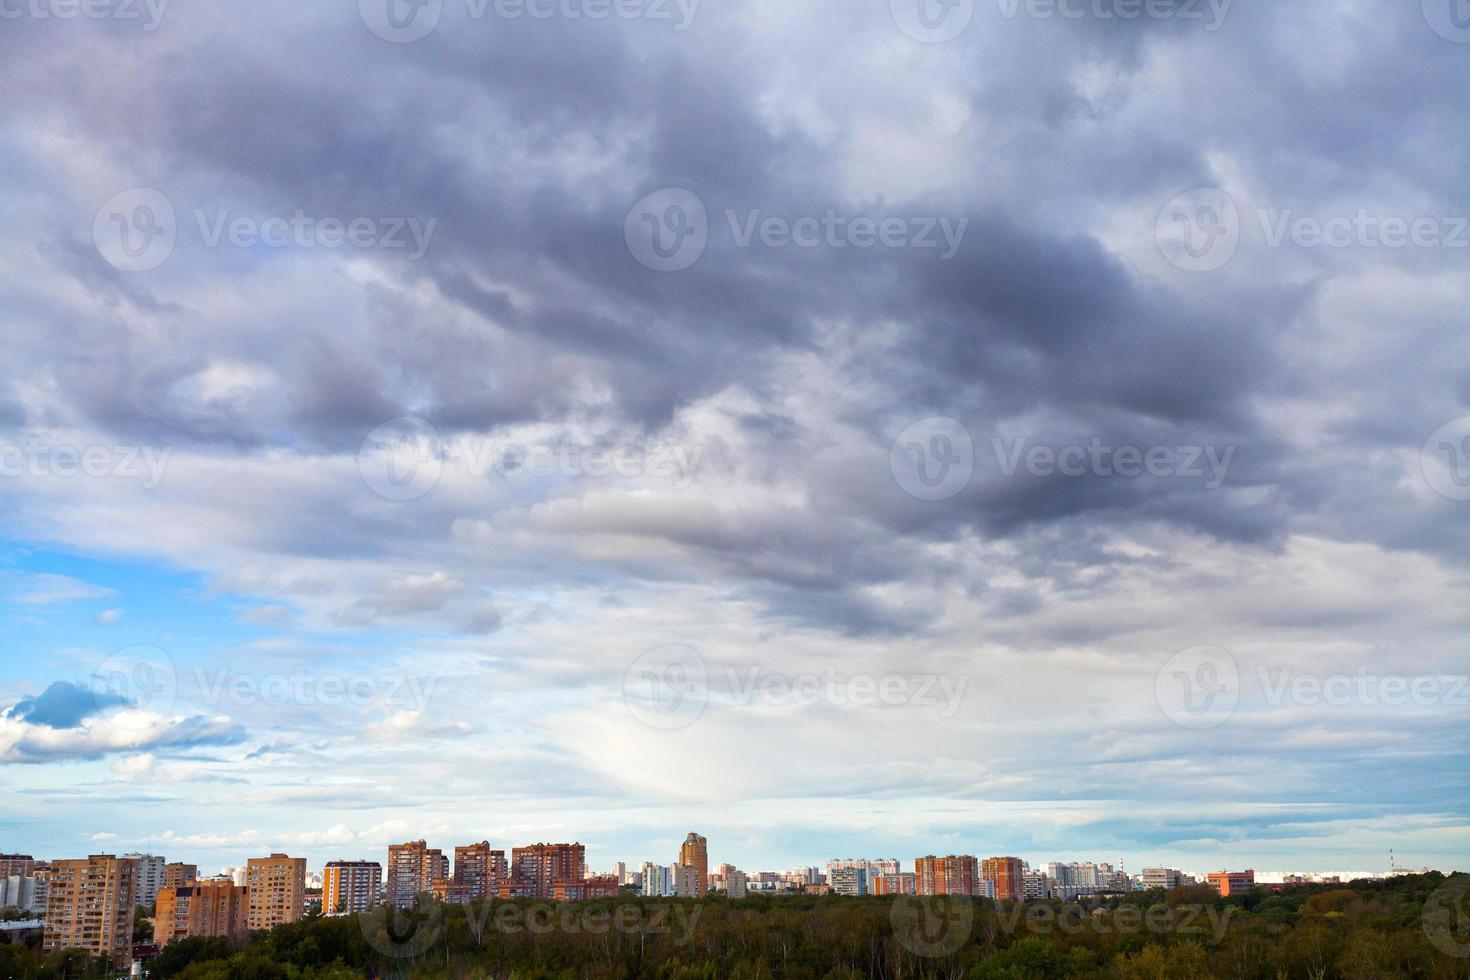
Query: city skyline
[(595, 866)]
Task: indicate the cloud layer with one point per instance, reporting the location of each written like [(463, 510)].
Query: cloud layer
[(1045, 464)]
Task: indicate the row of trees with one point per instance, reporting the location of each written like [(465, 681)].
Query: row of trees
[(1415, 927)]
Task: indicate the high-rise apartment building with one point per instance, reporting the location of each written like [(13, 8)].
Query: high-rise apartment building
[(178, 873), (686, 881), (874, 866), (217, 907), (412, 870), (91, 907), (42, 877), (479, 871), (349, 887), (1008, 875), (736, 884), (276, 890), (656, 881), (537, 870), (150, 877), (695, 854), (1037, 885), (957, 874), (848, 881), (18, 892)]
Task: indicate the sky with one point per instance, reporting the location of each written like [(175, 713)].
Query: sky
[(850, 428)]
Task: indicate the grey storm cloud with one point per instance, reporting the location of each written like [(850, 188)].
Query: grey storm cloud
[(1314, 375)]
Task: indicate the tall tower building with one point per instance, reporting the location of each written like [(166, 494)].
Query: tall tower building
[(695, 854), (349, 887), (90, 907), (277, 890)]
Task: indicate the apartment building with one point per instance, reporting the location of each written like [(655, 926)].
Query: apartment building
[(18, 892), (217, 907), (686, 881), (957, 874), (276, 888), (178, 873), (90, 907), (901, 883), (1007, 876), (12, 865), (150, 877), (412, 870), (848, 881), (535, 871), (874, 866), (656, 880), (1036, 885), (349, 887), (479, 870)]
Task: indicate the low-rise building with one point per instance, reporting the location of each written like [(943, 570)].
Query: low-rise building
[(1229, 883)]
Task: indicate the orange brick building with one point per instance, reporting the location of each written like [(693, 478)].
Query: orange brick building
[(217, 907), (276, 890), (1229, 883), (480, 870), (91, 907), (412, 869), (1008, 874), (535, 871), (957, 874)]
